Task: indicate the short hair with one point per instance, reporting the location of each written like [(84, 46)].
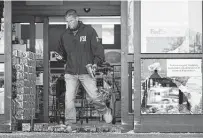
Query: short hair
[(71, 12)]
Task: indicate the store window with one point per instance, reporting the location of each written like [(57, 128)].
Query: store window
[(171, 27), (170, 83), (2, 36), (1, 88), (171, 86)]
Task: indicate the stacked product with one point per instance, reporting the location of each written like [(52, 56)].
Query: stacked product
[(24, 64), (13, 112)]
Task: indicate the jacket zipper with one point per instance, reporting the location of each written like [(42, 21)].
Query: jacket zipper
[(79, 49), (79, 55), (77, 69)]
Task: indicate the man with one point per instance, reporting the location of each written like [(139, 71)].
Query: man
[(79, 45)]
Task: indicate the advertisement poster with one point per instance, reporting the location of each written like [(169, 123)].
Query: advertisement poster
[(171, 86), (171, 31)]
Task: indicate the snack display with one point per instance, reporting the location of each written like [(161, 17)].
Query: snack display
[(24, 74)]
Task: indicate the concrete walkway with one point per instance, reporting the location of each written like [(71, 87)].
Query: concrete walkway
[(99, 135)]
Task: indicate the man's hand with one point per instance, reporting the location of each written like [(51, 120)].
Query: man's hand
[(58, 57), (91, 70), (94, 68)]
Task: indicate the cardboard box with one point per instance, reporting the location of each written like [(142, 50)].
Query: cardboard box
[(41, 127), (26, 127), (19, 47), (16, 60), (17, 53)]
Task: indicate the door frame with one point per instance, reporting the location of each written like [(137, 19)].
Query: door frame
[(6, 58), (127, 116)]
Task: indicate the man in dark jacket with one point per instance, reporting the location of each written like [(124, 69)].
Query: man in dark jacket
[(79, 45)]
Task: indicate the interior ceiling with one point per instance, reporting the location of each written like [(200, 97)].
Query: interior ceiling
[(58, 8), (1, 9)]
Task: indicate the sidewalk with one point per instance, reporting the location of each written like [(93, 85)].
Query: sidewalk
[(99, 135)]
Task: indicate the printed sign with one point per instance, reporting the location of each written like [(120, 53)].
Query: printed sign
[(183, 67)]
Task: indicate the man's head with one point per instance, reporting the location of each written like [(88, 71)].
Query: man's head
[(71, 18)]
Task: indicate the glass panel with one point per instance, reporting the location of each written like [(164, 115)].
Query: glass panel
[(2, 36), (171, 86), (1, 88), (176, 29), (108, 34), (132, 84), (39, 40), (133, 94)]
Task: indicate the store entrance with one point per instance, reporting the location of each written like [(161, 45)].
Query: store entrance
[(34, 52), (36, 32)]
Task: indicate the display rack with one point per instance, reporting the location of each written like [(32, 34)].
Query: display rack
[(23, 86)]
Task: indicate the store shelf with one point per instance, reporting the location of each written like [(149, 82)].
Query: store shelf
[(39, 68)]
